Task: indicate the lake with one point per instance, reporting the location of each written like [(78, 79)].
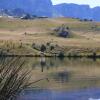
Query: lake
[(63, 79)]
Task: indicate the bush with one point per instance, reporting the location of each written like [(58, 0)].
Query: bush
[(63, 31), (61, 54), (33, 45), (48, 44), (21, 45), (52, 47), (43, 48)]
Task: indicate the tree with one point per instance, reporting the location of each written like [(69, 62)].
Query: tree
[(52, 47), (48, 44), (43, 48), (61, 54), (33, 45)]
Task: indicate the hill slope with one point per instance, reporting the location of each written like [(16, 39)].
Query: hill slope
[(17, 36)]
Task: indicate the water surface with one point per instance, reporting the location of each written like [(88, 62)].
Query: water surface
[(65, 74), (63, 79)]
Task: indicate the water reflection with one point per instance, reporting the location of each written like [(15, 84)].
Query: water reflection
[(43, 63), (39, 94), (61, 77), (72, 73), (46, 63), (65, 74)]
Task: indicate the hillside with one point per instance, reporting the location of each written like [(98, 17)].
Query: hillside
[(18, 36)]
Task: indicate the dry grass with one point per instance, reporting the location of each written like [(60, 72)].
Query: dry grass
[(13, 78), (39, 30)]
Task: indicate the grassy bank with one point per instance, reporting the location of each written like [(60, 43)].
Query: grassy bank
[(25, 37)]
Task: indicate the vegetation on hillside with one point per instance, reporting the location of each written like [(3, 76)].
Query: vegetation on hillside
[(67, 35)]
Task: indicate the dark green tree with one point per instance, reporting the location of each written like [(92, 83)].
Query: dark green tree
[(43, 48)]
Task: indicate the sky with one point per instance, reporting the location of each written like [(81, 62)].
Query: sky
[(92, 3)]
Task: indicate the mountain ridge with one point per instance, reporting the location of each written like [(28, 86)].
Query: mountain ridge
[(46, 8), (34, 7)]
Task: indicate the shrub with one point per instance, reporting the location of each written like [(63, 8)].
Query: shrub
[(13, 79), (52, 47), (61, 54), (62, 31), (33, 45), (48, 44), (43, 48), (21, 45)]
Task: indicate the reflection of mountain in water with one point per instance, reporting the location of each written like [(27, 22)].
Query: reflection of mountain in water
[(84, 94)]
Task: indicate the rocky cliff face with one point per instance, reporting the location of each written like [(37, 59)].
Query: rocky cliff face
[(96, 13), (34, 7), (73, 10), (45, 8), (77, 11)]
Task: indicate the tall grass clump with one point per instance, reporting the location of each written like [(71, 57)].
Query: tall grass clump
[(13, 78)]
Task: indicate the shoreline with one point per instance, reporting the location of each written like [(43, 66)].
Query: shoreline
[(65, 56)]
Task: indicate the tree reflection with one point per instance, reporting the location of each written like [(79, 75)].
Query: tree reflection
[(43, 63), (61, 77)]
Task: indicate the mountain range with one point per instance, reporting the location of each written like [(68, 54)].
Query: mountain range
[(78, 11), (33, 7), (46, 8)]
